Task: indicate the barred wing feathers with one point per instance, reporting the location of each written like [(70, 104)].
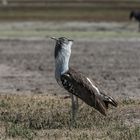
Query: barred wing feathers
[(82, 87)]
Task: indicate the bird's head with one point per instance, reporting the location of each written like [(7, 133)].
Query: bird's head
[(63, 46), (131, 15)]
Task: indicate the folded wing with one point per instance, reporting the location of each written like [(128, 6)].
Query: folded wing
[(82, 87)]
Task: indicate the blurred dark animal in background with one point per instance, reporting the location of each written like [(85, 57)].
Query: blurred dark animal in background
[(136, 16)]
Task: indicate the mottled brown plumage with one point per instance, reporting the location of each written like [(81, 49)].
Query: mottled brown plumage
[(78, 84)]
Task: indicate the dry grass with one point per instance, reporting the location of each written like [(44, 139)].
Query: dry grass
[(68, 10), (48, 117), (64, 14)]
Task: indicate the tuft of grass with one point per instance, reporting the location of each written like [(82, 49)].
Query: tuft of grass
[(4, 104), (49, 117), (17, 130), (129, 101)]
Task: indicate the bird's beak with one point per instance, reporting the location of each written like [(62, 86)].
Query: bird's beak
[(54, 38)]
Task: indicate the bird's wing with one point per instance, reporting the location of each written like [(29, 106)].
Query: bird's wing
[(82, 87)]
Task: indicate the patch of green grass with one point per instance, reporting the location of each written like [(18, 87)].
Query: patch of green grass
[(71, 34), (4, 104), (16, 130), (130, 102)]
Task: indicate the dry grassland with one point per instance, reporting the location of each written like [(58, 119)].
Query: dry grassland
[(48, 117)]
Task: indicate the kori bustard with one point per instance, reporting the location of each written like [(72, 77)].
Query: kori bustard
[(77, 84)]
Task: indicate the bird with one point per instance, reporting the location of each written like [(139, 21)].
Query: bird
[(136, 15), (76, 83)]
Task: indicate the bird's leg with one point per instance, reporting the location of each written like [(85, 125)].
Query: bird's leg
[(74, 107), (139, 26), (77, 105)]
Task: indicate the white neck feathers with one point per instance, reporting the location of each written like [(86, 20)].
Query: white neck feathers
[(62, 61)]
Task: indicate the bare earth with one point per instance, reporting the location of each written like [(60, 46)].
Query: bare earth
[(27, 66)]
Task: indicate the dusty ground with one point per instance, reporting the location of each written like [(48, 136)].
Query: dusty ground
[(27, 64)]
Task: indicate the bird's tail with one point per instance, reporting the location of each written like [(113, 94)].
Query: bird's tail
[(102, 103), (109, 100)]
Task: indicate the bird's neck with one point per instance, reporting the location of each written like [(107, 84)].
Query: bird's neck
[(61, 64)]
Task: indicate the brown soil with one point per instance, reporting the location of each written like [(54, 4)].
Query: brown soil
[(27, 66)]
